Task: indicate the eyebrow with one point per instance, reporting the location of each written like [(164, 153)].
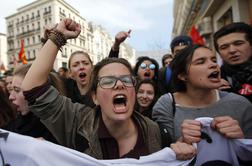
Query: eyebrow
[(224, 44)]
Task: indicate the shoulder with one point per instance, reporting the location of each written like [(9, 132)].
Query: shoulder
[(164, 100), (233, 98)]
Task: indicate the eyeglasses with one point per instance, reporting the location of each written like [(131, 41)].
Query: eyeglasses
[(150, 66), (108, 82)]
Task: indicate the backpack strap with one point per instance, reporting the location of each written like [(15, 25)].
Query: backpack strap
[(165, 136), (173, 104)]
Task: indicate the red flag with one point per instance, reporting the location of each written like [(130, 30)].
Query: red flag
[(21, 54), (196, 38)]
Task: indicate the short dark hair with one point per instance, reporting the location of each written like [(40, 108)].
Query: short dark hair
[(180, 40), (165, 56), (146, 58), (232, 28), (180, 64), (64, 69), (94, 76)]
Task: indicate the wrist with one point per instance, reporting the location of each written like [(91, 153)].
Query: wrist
[(115, 47), (57, 38)]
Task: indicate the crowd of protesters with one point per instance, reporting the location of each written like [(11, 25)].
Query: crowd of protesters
[(132, 112)]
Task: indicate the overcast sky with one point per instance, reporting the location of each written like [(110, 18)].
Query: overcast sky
[(151, 21)]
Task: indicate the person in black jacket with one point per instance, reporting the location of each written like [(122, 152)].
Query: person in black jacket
[(234, 44), (164, 80)]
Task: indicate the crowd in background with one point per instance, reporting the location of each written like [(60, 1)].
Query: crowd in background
[(112, 110)]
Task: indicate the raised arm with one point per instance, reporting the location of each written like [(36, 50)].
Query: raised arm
[(41, 67), (119, 38)]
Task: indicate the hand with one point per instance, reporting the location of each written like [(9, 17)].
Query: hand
[(69, 28), (227, 126), (120, 37), (191, 131), (224, 84), (183, 151)]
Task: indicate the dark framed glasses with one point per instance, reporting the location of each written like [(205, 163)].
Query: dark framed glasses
[(150, 66), (108, 82)]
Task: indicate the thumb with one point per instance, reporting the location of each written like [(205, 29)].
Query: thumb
[(129, 31)]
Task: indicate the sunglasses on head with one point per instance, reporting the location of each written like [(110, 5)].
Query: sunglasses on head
[(150, 66)]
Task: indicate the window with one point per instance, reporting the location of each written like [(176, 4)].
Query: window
[(38, 37), (49, 8), (226, 19), (33, 39), (64, 64), (27, 28), (28, 55), (32, 15), (34, 53), (28, 41), (45, 21)]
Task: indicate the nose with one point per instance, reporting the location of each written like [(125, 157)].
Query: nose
[(82, 66), (12, 96), (119, 85), (213, 64), (231, 48)]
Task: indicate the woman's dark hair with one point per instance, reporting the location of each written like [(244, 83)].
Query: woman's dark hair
[(166, 56), (180, 65), (94, 76), (7, 112), (239, 27), (53, 78), (146, 58), (151, 82)]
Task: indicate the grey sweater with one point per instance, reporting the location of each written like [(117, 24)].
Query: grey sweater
[(230, 104)]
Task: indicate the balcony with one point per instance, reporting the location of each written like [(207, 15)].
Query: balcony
[(47, 13)]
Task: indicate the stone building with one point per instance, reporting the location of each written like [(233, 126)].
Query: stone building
[(29, 22), (209, 16)]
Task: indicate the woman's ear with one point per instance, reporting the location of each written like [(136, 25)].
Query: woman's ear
[(182, 77), (94, 97)]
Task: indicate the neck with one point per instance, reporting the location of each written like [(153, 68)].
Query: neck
[(83, 89), (197, 98), (121, 130)]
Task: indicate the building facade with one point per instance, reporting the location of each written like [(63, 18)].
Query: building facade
[(3, 53), (209, 16), (29, 23)]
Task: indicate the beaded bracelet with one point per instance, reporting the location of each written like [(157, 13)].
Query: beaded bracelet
[(56, 37)]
